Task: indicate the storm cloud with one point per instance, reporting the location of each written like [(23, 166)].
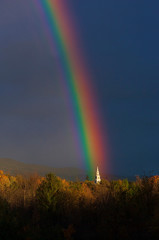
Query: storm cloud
[(120, 42)]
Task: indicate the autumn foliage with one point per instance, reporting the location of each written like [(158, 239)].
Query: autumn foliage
[(45, 208)]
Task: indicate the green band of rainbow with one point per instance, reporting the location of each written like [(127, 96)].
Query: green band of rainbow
[(77, 82)]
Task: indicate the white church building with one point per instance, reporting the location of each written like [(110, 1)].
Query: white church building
[(97, 177)]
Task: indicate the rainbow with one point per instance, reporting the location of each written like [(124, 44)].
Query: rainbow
[(64, 43)]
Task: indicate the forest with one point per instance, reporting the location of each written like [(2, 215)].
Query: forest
[(46, 208)]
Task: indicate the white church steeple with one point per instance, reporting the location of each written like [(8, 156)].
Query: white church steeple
[(97, 177)]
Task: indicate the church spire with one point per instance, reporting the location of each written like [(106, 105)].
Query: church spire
[(97, 177)]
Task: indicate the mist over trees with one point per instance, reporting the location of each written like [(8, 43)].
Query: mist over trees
[(49, 207)]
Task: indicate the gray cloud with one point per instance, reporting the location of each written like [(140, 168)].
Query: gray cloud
[(34, 119)]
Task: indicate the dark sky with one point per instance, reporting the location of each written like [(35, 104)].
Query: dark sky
[(121, 42)]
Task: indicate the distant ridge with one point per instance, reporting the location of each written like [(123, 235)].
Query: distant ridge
[(14, 167)]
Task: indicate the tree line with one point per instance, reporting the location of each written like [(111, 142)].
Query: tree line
[(45, 208)]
